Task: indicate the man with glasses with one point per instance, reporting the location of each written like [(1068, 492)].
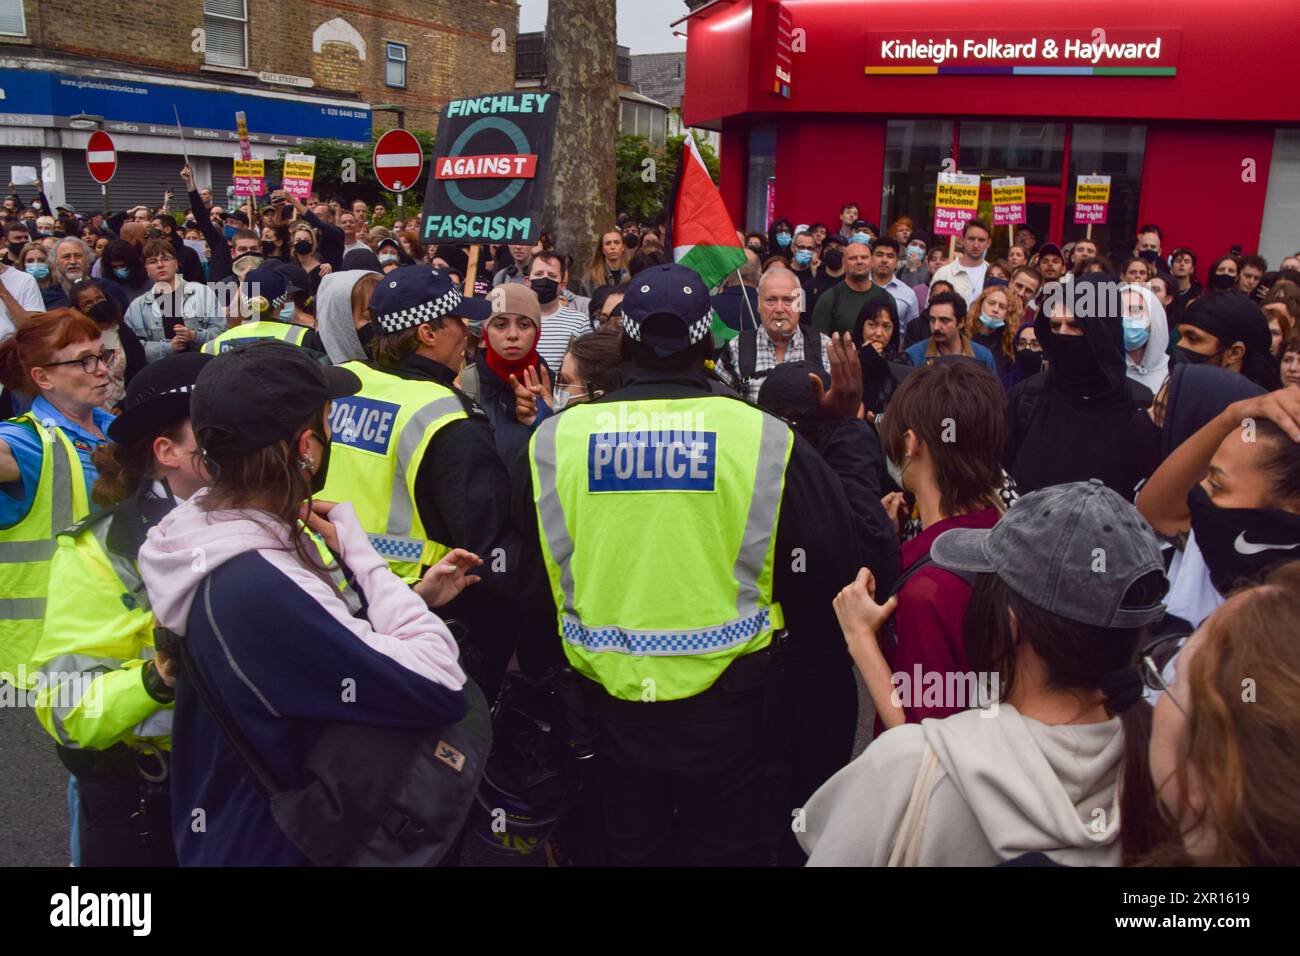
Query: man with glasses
[(175, 315), (780, 337)]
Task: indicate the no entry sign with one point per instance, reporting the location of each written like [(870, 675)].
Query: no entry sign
[(101, 157), (488, 177), (398, 160)]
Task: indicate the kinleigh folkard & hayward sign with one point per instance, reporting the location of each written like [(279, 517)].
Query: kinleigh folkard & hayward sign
[(1084, 52)]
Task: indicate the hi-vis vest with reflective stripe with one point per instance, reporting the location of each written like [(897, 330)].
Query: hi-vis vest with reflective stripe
[(27, 548), (657, 522), (379, 437), (241, 334), (99, 634)]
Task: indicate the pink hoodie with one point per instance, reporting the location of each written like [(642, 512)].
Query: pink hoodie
[(190, 544)]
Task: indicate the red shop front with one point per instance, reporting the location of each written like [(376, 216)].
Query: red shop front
[(1190, 107)]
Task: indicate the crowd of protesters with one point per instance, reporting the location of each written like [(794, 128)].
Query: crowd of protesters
[(1054, 500)]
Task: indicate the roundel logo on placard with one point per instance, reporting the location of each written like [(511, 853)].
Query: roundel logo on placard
[(511, 189)]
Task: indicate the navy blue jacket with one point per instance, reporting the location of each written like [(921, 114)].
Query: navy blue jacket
[(277, 660)]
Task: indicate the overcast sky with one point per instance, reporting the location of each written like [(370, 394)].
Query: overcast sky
[(642, 24)]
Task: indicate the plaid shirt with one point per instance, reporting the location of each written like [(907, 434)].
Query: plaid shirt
[(765, 357)]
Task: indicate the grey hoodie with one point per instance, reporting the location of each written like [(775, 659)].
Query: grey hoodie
[(334, 316), (1155, 362), (1005, 785)]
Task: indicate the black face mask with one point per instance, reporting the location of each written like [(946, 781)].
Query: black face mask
[(267, 247), (630, 240), (1221, 282), (366, 335), (1029, 362), (833, 259), (318, 479), (546, 289), (1076, 367), (1185, 356), (302, 247), (1150, 255), (104, 313), (17, 247), (1241, 542)]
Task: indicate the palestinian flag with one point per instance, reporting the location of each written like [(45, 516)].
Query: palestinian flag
[(699, 230)]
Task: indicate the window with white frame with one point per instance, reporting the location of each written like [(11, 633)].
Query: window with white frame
[(12, 22), (395, 72), (225, 33)]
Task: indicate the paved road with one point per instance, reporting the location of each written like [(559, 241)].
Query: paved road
[(33, 794)]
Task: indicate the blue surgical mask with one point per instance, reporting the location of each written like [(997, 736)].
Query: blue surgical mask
[(384, 260), (287, 313), (803, 256), (783, 239), (37, 270), (122, 273), (862, 237), (1136, 332), (229, 231), (991, 323)]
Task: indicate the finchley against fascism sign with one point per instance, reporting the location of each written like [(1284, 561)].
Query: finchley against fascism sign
[(1084, 52)]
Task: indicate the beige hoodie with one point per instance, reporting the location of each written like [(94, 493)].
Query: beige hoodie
[(1005, 785)]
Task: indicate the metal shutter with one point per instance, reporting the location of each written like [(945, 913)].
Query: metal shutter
[(140, 179), (20, 156)]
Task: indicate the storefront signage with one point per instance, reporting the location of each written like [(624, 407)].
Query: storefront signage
[(34, 98), (778, 41), (1009, 201), (478, 189), (956, 198), (1082, 52), (1091, 200)]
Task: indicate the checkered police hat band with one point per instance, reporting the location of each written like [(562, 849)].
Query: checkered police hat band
[(409, 318), (694, 332)]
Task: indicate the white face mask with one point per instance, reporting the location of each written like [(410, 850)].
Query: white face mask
[(384, 260), (562, 397)]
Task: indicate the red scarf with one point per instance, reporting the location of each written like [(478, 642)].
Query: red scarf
[(505, 368)]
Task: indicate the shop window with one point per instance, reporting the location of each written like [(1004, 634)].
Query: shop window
[(1115, 150), (225, 28), (12, 22), (914, 154), (1280, 235), (760, 178), (1035, 151), (395, 68)]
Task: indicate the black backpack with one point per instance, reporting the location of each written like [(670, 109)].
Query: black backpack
[(374, 796)]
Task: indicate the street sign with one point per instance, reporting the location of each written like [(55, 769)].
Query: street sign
[(101, 157), (398, 160)]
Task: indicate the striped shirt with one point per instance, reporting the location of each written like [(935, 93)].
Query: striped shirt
[(557, 329)]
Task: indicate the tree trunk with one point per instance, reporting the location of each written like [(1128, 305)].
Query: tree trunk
[(580, 40)]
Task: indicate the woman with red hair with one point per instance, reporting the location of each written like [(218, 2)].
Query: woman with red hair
[(45, 465)]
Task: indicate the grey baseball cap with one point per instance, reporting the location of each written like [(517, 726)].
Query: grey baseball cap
[(1073, 550)]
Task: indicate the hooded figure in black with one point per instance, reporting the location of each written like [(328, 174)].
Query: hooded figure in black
[(1195, 394), (882, 371), (822, 698), (1083, 417)]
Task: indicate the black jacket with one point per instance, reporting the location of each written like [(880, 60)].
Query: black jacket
[(219, 261), (817, 553), (330, 242), (497, 400)]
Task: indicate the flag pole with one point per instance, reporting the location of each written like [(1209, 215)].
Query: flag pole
[(745, 295)]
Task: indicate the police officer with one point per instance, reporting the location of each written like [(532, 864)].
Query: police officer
[(679, 530), (100, 693), (264, 295), (417, 458)]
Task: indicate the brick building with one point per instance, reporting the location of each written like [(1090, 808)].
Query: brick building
[(299, 69)]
